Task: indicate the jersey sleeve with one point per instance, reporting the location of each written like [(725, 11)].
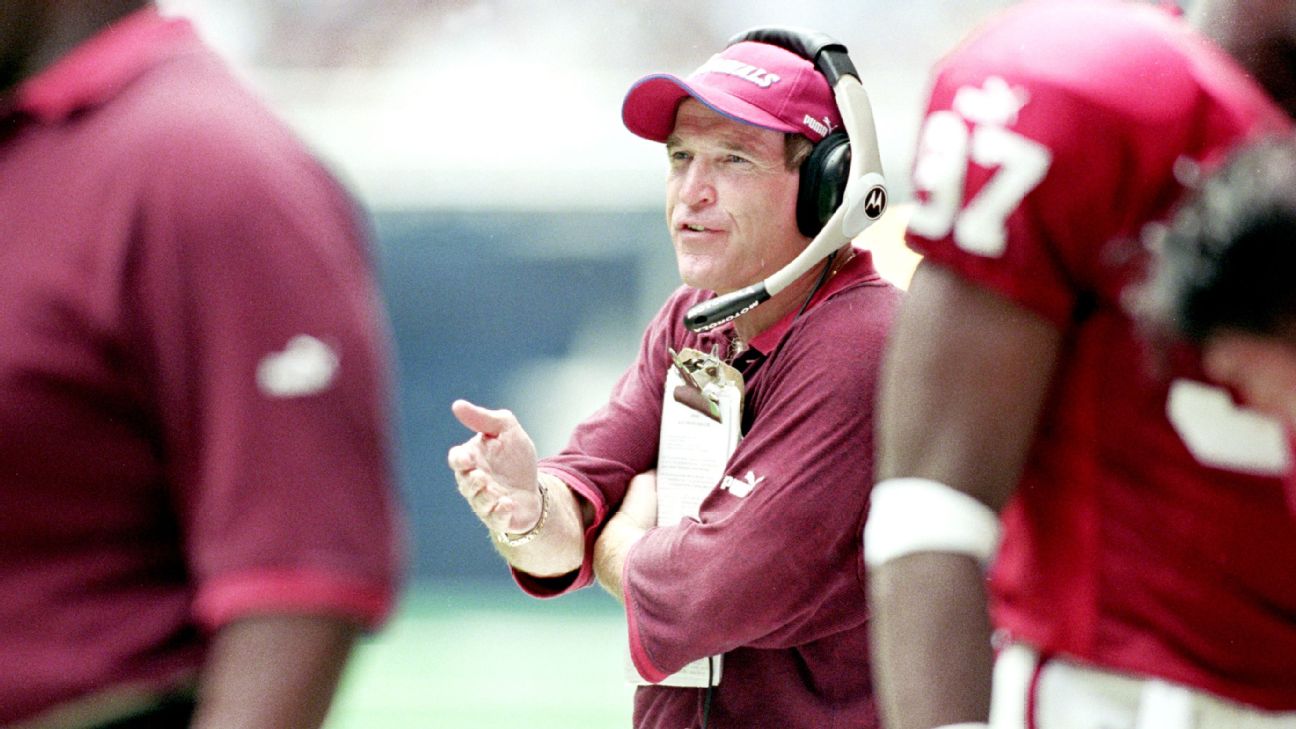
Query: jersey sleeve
[(778, 564), (1039, 158), (268, 359)]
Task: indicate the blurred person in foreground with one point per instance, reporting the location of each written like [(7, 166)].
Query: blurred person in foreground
[(1143, 552), (770, 574), (197, 514), (1224, 278)]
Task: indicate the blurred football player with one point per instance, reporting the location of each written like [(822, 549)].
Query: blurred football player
[(197, 515), (1139, 550)]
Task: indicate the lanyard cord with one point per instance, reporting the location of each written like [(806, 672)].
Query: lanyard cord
[(818, 284), (706, 699)]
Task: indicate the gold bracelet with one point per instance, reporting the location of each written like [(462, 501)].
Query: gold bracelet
[(517, 540)]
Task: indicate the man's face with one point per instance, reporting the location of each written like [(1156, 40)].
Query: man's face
[(730, 200), (1261, 369)]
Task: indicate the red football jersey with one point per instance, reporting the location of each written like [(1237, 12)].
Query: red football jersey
[(1149, 533)]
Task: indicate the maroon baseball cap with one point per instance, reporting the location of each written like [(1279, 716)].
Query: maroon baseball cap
[(751, 82)]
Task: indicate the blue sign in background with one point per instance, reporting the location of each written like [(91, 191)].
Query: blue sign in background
[(475, 299)]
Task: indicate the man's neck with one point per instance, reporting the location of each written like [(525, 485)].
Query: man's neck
[(790, 299)]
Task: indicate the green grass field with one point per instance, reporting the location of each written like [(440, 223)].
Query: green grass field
[(482, 655)]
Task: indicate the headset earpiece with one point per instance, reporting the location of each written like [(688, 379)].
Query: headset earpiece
[(824, 174), (826, 171)]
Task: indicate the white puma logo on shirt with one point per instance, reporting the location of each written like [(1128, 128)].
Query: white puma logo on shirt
[(741, 487)]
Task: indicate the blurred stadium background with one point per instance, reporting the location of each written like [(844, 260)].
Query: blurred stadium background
[(521, 250)]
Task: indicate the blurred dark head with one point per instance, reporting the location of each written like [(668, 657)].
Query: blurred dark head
[(1228, 260), (20, 35), (1260, 35), (35, 33)]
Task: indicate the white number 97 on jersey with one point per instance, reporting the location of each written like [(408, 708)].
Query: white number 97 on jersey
[(945, 149)]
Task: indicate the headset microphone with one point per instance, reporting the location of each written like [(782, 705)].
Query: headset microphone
[(859, 204)]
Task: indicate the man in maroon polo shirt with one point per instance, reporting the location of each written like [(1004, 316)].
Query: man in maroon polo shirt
[(770, 574), (196, 513)]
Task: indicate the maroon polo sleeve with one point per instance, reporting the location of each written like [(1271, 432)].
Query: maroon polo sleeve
[(780, 565), (1013, 195), (253, 292), (615, 443)]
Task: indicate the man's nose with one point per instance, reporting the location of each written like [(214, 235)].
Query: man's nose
[(697, 186)]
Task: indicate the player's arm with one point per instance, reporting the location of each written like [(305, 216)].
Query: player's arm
[(962, 385), (273, 671)]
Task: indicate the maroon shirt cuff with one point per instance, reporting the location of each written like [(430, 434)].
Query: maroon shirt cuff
[(638, 652), (292, 592), (546, 587)]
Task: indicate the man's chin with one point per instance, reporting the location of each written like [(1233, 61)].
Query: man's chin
[(708, 283), (713, 277)]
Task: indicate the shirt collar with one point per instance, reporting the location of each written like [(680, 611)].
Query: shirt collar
[(99, 68), (858, 268)]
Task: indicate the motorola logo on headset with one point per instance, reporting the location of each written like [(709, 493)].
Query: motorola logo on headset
[(875, 202)]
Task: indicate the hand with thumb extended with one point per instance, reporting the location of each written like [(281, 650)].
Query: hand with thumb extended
[(496, 469)]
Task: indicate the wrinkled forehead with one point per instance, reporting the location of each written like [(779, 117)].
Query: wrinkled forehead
[(696, 123)]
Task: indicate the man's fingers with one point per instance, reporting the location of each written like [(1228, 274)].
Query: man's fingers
[(491, 470), (473, 485), (500, 514), (486, 502), (480, 419), (461, 458), (495, 511)]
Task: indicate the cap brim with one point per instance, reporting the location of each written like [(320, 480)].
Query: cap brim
[(650, 105)]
